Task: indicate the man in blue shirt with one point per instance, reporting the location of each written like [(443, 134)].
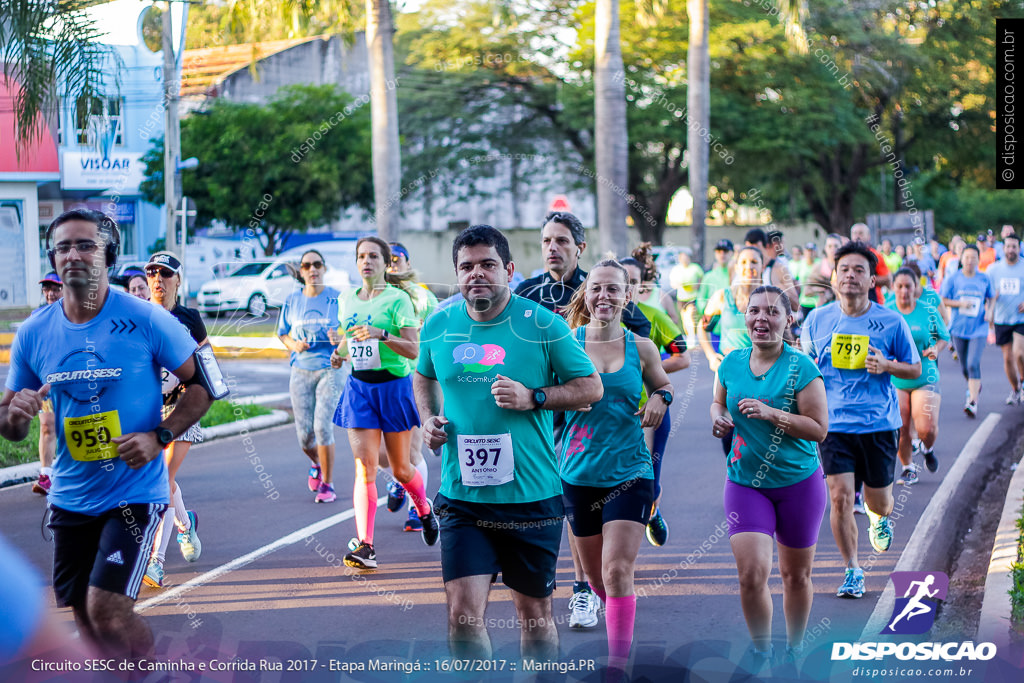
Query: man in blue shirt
[(1007, 277), (97, 355), (858, 345)]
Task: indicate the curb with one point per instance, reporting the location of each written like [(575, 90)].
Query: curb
[(931, 543), (17, 474), (994, 625), (252, 424)]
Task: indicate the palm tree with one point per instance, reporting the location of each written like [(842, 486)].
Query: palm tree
[(611, 148), (698, 111), (49, 52), (698, 99), (387, 154)]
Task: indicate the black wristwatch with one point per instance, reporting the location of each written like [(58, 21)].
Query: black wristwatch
[(665, 396), (164, 436), (384, 336), (539, 397)]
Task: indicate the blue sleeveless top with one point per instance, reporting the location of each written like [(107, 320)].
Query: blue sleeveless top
[(605, 446)]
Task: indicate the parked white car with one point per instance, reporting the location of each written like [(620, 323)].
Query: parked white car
[(252, 287)]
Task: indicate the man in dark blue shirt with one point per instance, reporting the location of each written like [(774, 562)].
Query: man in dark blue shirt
[(562, 240)]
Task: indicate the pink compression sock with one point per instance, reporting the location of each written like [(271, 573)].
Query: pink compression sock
[(364, 502), (600, 594), (418, 492), (620, 615)]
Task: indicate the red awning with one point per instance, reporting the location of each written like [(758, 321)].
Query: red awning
[(40, 156)]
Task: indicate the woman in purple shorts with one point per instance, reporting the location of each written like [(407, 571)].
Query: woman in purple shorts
[(775, 486)]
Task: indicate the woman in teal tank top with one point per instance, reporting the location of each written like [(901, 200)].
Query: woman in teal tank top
[(920, 399), (773, 397), (607, 478), (730, 303)]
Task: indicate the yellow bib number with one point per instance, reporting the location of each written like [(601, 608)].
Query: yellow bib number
[(89, 438), (849, 351)]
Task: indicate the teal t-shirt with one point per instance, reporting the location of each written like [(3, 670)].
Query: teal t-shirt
[(762, 455), (928, 296), (525, 342), (390, 310), (733, 325), (605, 446), (926, 327)]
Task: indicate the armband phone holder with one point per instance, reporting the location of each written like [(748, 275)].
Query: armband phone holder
[(208, 373)]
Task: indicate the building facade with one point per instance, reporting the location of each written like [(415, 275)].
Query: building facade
[(88, 154)]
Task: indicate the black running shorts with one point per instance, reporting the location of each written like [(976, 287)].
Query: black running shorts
[(870, 457), (109, 551), (588, 508), (518, 540), (1004, 333)]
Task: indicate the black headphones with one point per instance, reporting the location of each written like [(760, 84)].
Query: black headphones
[(103, 222)]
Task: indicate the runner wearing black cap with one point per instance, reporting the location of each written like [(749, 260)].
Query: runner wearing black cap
[(163, 273)]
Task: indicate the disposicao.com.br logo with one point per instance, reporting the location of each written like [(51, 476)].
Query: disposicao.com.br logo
[(918, 595)]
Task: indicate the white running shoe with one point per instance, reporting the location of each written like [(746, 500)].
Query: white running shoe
[(584, 605)]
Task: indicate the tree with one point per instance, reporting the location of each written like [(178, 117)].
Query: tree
[(387, 159), (698, 111), (290, 165), (387, 154), (49, 51), (610, 133)]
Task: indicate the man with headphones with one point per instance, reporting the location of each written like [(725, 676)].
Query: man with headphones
[(97, 354)]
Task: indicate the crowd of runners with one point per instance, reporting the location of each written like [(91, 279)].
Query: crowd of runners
[(549, 404)]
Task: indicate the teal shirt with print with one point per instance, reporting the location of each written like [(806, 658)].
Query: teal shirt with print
[(762, 455), (926, 327), (526, 343)]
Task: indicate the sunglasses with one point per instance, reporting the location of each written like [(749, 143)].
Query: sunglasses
[(82, 247), (163, 272), (312, 264)]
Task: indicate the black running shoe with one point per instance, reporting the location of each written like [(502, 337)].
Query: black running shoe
[(431, 528), (362, 557)]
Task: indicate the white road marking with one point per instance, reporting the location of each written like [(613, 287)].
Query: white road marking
[(249, 558)]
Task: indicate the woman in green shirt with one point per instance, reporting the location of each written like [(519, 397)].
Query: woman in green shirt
[(919, 398), (381, 337)]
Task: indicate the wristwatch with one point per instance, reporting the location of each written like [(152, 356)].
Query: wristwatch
[(665, 396), (385, 335), (164, 436), (539, 397)]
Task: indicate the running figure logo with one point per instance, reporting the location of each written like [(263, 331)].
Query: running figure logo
[(476, 358), (914, 613)]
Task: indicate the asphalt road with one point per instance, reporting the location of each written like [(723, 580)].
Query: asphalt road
[(296, 601)]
